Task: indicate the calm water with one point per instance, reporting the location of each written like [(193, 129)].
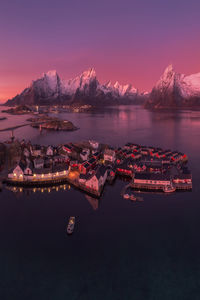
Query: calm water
[(120, 250)]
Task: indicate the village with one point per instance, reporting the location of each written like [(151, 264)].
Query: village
[(90, 165)]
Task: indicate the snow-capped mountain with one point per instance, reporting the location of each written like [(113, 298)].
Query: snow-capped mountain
[(118, 90), (85, 88), (80, 82), (175, 90)]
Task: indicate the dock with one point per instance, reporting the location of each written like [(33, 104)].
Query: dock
[(59, 181), (157, 187)]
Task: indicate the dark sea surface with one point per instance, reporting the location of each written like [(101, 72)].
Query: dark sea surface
[(119, 250)]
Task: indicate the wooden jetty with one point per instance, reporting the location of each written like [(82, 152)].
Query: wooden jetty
[(52, 182), (158, 187)]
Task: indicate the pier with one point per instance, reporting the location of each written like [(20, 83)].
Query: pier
[(51, 182), (157, 187)]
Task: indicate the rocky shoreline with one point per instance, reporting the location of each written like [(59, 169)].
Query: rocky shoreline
[(50, 123), (18, 110)]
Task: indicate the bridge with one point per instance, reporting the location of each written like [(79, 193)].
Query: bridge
[(15, 127), (19, 126)]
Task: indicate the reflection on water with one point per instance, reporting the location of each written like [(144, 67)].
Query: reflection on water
[(93, 201), (116, 126), (28, 191), (111, 239), (21, 191)]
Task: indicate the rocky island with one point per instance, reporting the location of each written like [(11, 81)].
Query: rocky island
[(19, 110), (51, 123)]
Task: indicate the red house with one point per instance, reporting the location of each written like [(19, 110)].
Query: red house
[(67, 148), (85, 168)]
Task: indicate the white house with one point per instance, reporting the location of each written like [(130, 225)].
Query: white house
[(97, 181), (38, 163), (84, 155), (49, 151), (94, 144), (84, 177), (22, 172), (36, 150), (18, 172), (28, 170), (109, 155)]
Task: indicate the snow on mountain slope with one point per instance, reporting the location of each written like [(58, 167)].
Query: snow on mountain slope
[(84, 87), (187, 85), (80, 82), (118, 89), (49, 84), (174, 89), (190, 85)]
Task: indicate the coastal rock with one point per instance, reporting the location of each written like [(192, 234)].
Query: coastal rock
[(50, 123), (18, 110)]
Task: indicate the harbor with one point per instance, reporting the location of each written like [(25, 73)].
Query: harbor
[(90, 165)]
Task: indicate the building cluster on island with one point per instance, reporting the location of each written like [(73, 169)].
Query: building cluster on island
[(89, 165)]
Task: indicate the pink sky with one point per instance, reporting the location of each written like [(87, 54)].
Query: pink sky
[(128, 41)]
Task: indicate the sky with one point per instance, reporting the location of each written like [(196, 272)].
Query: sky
[(131, 41)]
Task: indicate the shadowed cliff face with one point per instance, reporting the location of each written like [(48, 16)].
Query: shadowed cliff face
[(175, 90)]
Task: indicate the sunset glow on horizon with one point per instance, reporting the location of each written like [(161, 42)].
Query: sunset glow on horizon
[(126, 41)]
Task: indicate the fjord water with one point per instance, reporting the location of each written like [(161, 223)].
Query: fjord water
[(119, 250)]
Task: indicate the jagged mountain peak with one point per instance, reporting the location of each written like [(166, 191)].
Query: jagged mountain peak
[(90, 73), (108, 84), (175, 90), (169, 69), (48, 84), (50, 73), (168, 78), (85, 87)]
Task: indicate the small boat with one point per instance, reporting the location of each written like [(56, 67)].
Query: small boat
[(169, 189), (126, 196), (71, 224), (133, 198)]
